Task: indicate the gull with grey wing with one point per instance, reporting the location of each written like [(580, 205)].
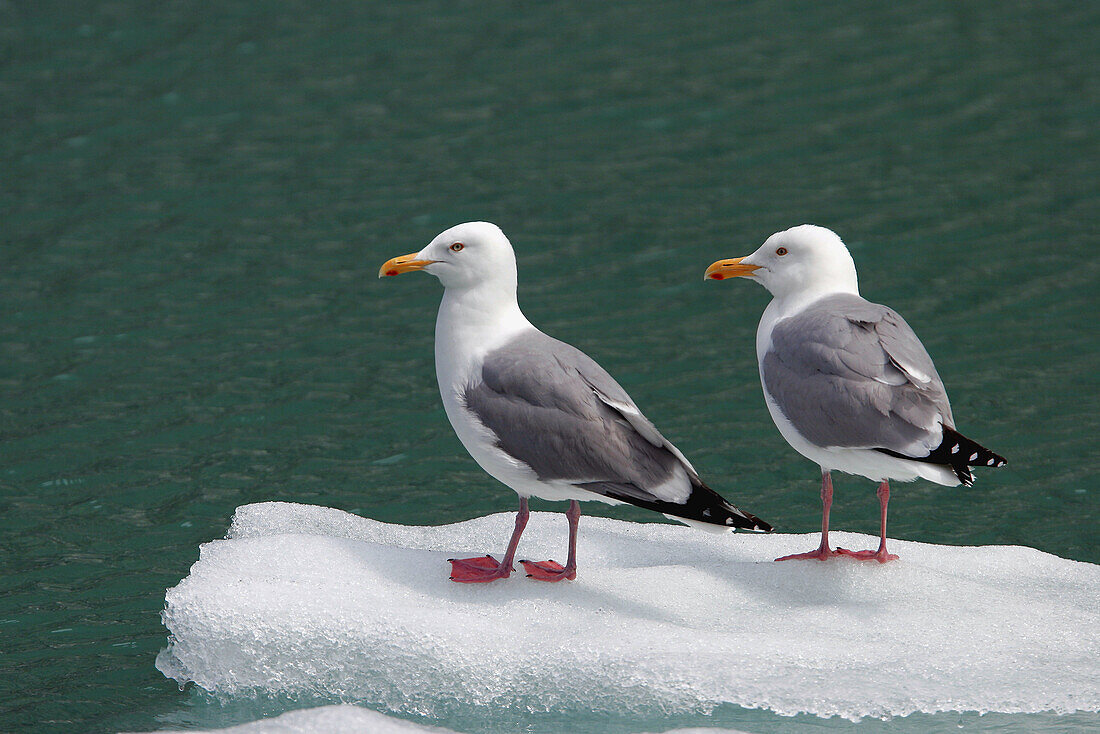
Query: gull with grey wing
[(538, 414), (847, 382)]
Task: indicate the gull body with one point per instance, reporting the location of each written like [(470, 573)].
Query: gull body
[(846, 381), (539, 415)]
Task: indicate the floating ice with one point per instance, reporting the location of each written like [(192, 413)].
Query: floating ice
[(343, 719), (662, 619), (348, 719)]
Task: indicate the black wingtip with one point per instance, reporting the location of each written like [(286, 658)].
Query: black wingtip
[(958, 453), (706, 505), (961, 453), (745, 520), (736, 517), (762, 526), (703, 505)]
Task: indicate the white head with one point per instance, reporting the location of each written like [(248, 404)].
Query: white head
[(802, 259), (474, 255)]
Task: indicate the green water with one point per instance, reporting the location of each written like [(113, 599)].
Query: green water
[(195, 199)]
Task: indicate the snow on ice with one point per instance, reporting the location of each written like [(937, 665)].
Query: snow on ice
[(312, 601)]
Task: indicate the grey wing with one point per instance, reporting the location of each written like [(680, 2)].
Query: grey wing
[(553, 408), (850, 373), (614, 396)]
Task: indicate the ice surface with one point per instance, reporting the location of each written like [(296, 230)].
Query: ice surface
[(303, 600), (348, 719), (343, 719)]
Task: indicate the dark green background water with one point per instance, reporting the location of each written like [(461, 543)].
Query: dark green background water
[(195, 199)]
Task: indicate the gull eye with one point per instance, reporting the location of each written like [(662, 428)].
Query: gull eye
[(781, 251), (457, 247)]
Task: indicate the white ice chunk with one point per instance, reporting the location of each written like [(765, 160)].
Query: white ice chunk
[(342, 719), (348, 719), (304, 600)]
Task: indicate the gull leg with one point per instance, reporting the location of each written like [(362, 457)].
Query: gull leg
[(483, 569), (822, 553), (880, 555), (883, 499), (552, 570)]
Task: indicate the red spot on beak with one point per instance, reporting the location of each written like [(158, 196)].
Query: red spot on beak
[(717, 276), (391, 272)]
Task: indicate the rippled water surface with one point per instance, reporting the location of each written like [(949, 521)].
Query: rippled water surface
[(194, 202)]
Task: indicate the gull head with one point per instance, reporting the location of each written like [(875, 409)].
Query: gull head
[(469, 256), (802, 259)]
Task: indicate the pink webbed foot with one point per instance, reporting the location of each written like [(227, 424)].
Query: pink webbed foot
[(821, 554), (880, 555), (867, 555), (480, 570), (548, 571)]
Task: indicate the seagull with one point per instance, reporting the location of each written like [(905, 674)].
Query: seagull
[(847, 382), (540, 415)]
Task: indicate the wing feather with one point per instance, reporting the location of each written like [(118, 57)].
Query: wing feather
[(552, 407), (850, 373)]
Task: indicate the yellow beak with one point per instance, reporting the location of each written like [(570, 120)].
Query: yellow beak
[(403, 264), (733, 268)]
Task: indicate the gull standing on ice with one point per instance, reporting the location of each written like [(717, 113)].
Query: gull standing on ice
[(846, 381), (540, 415)]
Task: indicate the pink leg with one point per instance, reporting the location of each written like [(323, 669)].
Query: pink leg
[(552, 570), (880, 555), (483, 569), (822, 553)]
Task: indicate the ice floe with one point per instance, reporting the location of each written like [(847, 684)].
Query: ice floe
[(348, 719), (312, 601), (336, 719)]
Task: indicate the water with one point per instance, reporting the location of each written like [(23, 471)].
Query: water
[(194, 204)]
